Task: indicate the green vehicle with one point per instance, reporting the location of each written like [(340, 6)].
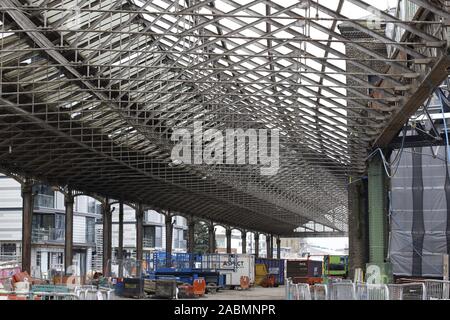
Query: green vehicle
[(335, 267)]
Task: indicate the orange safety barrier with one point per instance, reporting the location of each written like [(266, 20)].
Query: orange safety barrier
[(65, 280), (16, 297), (309, 280), (245, 282), (199, 287), (269, 282)]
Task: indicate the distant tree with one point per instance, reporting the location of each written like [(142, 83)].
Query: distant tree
[(201, 238)]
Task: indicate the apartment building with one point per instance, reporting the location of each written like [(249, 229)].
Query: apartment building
[(154, 235), (49, 223), (47, 256)]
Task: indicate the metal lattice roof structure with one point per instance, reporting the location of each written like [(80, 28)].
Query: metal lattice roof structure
[(93, 89)]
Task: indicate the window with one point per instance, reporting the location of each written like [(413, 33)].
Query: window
[(158, 237), (90, 230), (91, 205), (8, 249), (60, 258), (45, 197), (60, 228), (153, 237), (179, 238), (43, 221), (149, 236), (43, 189), (48, 227), (38, 258), (176, 238)]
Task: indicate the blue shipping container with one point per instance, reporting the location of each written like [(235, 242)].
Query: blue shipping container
[(274, 267)]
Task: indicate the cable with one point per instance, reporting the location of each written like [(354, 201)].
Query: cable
[(397, 159), (441, 100)]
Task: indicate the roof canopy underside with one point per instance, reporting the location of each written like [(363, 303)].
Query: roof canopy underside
[(92, 92)]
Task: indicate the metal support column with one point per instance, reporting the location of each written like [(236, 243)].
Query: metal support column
[(107, 226), (68, 239), (256, 244), (228, 236), (244, 241), (278, 248), (120, 244), (267, 246), (191, 235), (169, 233), (271, 247), (377, 210), (211, 238), (139, 237), (357, 225), (27, 218)]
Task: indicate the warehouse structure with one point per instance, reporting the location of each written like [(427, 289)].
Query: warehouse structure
[(97, 95)]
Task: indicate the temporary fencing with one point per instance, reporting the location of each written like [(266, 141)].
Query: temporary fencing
[(319, 292), (298, 291), (366, 291), (407, 291), (420, 290), (342, 291)]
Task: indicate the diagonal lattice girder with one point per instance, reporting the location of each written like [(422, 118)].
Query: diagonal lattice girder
[(96, 89)]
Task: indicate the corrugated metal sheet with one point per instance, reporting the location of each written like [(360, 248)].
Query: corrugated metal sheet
[(79, 229), (11, 224), (10, 193)]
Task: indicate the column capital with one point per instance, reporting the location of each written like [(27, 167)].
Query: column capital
[(191, 220), (140, 211), (169, 220), (27, 186), (69, 197)]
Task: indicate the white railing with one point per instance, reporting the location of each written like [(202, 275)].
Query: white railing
[(299, 291), (342, 291), (407, 291), (47, 234), (437, 289), (366, 291), (8, 259), (420, 290), (93, 293), (319, 292), (44, 201)]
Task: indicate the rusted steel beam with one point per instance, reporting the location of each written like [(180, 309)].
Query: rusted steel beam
[(426, 87)]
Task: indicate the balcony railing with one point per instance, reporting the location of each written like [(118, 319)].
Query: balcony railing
[(44, 201), (148, 243), (9, 259), (47, 234), (55, 235), (180, 244), (90, 238)]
